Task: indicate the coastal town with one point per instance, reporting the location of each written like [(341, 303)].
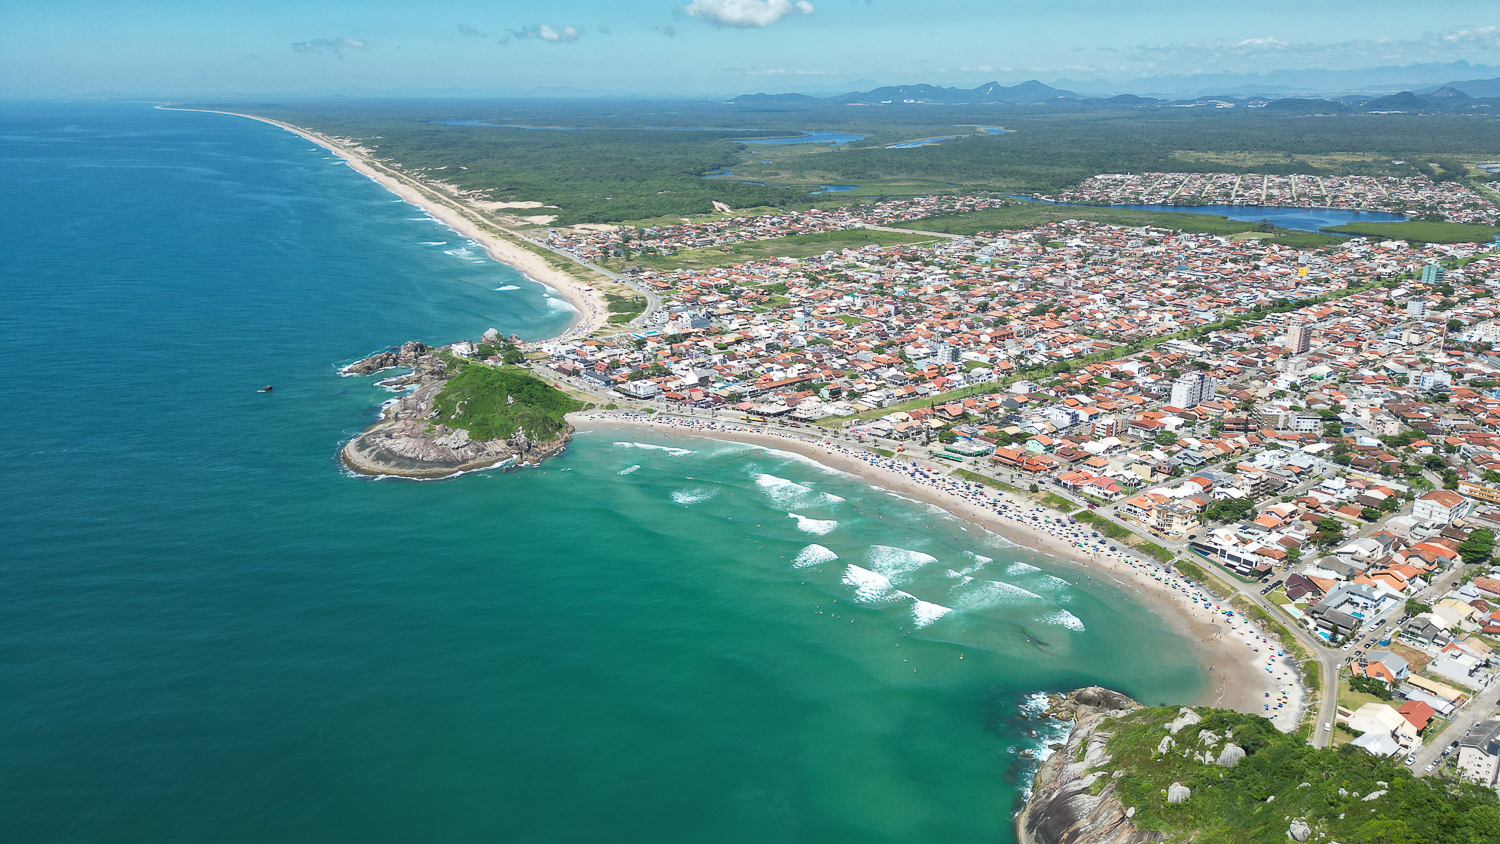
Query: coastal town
[(1313, 435), (1410, 196)]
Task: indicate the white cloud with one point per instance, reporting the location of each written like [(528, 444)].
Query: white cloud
[(336, 46), (745, 14), (551, 34)]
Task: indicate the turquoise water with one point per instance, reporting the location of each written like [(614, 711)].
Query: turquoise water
[(210, 633)]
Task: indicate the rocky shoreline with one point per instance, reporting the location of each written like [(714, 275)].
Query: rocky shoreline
[(407, 443), (1061, 809)]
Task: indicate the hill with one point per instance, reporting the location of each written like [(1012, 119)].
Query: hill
[(1135, 774)]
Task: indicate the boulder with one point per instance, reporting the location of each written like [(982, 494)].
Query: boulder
[(1185, 718), (1231, 755), (1178, 793), (1166, 744), (1299, 830), (1374, 795), (490, 337)]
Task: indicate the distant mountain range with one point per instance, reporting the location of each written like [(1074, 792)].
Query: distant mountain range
[(1468, 97)]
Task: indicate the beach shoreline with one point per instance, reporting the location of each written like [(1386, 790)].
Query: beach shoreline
[(1239, 678), (589, 308)]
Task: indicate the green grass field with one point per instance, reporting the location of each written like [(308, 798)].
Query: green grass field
[(1426, 232)]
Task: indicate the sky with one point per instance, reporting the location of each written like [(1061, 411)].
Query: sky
[(714, 48)]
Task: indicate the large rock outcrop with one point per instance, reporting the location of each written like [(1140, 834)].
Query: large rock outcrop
[(408, 442), (1061, 809), (411, 354)]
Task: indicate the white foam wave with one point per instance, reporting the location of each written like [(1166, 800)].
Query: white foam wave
[(818, 527), (924, 613), (560, 304), (1063, 618), (984, 594), (675, 452), (979, 558), (504, 287), (435, 243), (689, 497), (1021, 568), (896, 563), (789, 494), (628, 469), (869, 587), (813, 555)]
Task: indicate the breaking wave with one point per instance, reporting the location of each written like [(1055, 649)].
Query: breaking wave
[(1063, 618), (628, 469), (870, 587), (896, 563), (924, 613), (675, 452), (813, 555), (688, 497), (790, 494), (993, 593), (505, 287), (817, 527)]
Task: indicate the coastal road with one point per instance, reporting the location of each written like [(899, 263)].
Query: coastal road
[(653, 301)]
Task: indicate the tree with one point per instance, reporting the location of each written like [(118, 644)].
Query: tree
[(1415, 607), (1454, 325), (947, 437), (1230, 509), (1166, 438), (1477, 548), (1369, 514)]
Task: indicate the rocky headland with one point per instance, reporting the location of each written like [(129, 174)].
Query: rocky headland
[(1064, 807), (447, 423)]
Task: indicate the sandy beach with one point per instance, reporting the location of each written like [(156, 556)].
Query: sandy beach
[(1246, 672), (589, 306)]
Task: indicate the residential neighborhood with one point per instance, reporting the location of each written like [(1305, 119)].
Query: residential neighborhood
[(1319, 426)]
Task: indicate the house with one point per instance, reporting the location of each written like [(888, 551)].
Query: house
[(1417, 713), (1426, 631), (1383, 720), (1382, 665), (1479, 753)]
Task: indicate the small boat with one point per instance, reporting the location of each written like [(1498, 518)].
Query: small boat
[(266, 389)]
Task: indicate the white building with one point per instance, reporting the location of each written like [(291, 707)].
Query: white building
[(1479, 753), (1192, 389), (1441, 507)]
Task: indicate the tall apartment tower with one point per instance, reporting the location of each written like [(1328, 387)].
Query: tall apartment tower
[(1192, 389), (1433, 274), (1299, 339)]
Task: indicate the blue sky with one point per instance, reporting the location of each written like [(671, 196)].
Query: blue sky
[(699, 47)]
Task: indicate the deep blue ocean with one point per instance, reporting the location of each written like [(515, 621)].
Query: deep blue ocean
[(210, 633)]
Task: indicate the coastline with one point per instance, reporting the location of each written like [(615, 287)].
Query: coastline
[(589, 306), (1238, 677)]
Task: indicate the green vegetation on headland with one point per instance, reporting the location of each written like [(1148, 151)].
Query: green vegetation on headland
[(1280, 780), (1028, 214), (1426, 231), (494, 403)]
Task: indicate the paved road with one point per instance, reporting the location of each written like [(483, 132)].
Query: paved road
[(1480, 708), (653, 301)]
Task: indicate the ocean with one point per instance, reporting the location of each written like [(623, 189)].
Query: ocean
[(212, 633)]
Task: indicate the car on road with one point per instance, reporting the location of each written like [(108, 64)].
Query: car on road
[(1411, 759), (1430, 766)]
